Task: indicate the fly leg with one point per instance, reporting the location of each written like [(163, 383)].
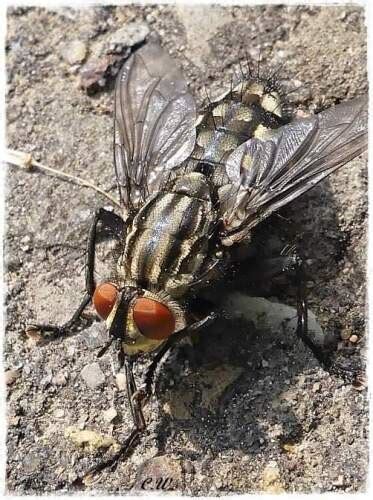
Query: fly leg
[(139, 425), (323, 356), (136, 405), (58, 331), (293, 266), (302, 311), (115, 224), (138, 397), (171, 341)]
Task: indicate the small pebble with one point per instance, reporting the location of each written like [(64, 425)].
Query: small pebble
[(316, 387), (91, 439), (26, 239), (59, 413), (289, 447), (339, 481), (120, 379), (271, 479), (353, 339), (46, 380), (27, 369), (110, 414), (82, 421), (128, 36), (59, 379), (93, 375), (74, 52), (93, 72), (11, 376), (96, 336)]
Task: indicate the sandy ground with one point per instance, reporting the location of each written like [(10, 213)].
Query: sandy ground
[(245, 410)]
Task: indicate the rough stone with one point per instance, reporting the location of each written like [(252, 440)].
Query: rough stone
[(110, 414), (93, 375), (74, 52), (271, 479), (90, 439), (11, 376), (128, 36)]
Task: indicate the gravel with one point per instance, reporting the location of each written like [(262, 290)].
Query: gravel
[(242, 409), (130, 35), (74, 52), (93, 375)]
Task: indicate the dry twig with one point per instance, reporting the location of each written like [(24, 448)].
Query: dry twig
[(26, 161)]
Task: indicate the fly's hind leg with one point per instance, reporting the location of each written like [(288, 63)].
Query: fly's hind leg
[(292, 265), (302, 331), (325, 355), (111, 222)]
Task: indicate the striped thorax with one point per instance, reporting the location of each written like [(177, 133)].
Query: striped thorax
[(167, 247)]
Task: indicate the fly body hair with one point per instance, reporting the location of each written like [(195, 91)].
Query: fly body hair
[(271, 78)]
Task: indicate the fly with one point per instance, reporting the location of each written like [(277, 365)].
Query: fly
[(191, 192)]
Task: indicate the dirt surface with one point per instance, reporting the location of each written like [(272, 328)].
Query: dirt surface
[(242, 411)]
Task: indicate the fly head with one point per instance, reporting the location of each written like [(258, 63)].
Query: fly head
[(141, 319)]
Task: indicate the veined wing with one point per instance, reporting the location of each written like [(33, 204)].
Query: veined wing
[(154, 123), (267, 174)]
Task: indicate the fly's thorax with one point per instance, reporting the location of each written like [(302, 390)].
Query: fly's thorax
[(194, 185), (167, 243)]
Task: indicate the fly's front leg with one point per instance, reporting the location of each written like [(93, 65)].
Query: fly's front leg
[(138, 397), (136, 402), (116, 225), (56, 331), (146, 388)]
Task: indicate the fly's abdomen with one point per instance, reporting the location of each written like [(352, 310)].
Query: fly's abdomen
[(168, 241), (244, 112)]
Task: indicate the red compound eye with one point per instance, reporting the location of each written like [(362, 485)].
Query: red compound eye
[(153, 319), (104, 299)]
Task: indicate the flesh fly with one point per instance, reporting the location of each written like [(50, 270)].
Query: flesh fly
[(192, 188)]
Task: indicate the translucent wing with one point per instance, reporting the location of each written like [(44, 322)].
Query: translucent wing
[(154, 123), (266, 174)]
